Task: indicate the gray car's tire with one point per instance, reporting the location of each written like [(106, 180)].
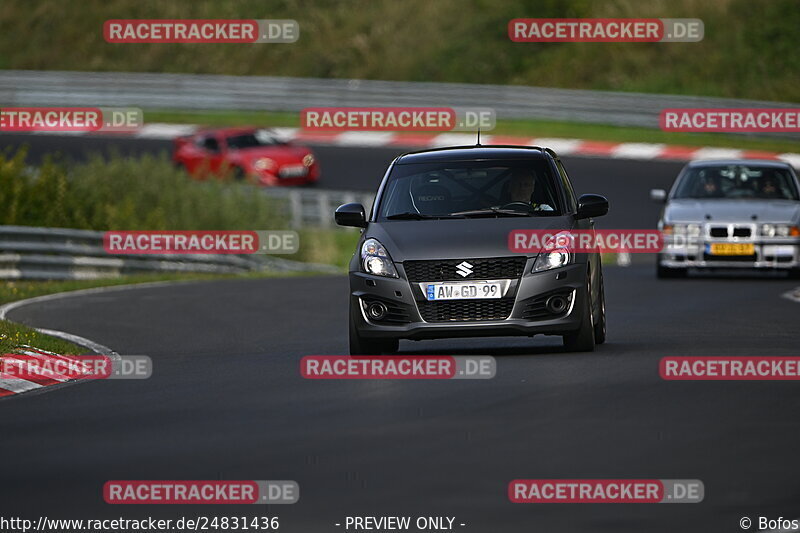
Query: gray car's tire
[(600, 323), (582, 340), (362, 346)]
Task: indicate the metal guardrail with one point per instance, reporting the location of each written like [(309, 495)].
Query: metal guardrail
[(315, 207), (58, 253), (266, 93)]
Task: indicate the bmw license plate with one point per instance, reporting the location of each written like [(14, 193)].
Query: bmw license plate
[(730, 248), (464, 291), (293, 171)]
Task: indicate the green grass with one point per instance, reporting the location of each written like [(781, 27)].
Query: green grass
[(527, 128), (13, 336), (122, 193), (749, 49)]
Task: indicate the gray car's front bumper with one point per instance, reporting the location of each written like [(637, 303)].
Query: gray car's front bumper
[(399, 292)]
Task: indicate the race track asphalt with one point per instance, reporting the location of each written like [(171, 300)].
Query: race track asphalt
[(226, 401)]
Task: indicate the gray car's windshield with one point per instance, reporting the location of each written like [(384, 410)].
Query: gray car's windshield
[(737, 181), (467, 189)]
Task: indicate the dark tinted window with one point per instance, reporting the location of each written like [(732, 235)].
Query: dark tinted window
[(210, 143), (737, 181), (252, 140), (443, 188)]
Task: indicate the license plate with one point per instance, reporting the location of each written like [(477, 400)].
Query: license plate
[(464, 291), (293, 171), (731, 248)]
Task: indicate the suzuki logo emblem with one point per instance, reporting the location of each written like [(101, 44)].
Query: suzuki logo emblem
[(463, 269)]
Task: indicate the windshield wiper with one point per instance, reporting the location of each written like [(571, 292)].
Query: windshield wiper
[(413, 215), (492, 211)]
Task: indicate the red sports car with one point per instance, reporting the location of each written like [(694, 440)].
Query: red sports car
[(247, 153)]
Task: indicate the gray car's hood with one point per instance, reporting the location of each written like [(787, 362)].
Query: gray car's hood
[(456, 238), (723, 210)]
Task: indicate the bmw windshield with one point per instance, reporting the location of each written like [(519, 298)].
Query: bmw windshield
[(467, 189), (737, 182)]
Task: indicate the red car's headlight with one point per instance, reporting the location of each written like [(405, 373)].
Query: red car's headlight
[(264, 163)]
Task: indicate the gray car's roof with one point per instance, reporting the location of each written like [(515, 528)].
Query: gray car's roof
[(472, 153), (745, 162)]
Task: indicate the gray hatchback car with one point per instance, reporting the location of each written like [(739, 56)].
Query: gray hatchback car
[(731, 214), (433, 260)]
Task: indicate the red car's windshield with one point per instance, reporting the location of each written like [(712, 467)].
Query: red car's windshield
[(252, 140)]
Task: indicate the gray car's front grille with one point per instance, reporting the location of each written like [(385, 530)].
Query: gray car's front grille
[(466, 310), (447, 269)]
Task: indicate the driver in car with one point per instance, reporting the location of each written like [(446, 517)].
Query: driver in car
[(522, 187), (769, 189), (711, 188)]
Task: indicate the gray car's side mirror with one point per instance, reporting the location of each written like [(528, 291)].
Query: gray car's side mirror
[(658, 195), (351, 215), (592, 205)]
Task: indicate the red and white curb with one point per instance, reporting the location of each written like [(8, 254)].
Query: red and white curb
[(571, 147), (11, 385), (32, 358)]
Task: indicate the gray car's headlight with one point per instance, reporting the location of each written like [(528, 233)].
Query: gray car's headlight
[(548, 260), (375, 259)]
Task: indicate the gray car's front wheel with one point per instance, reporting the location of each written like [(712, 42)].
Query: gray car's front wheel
[(362, 346), (582, 340), (600, 323)]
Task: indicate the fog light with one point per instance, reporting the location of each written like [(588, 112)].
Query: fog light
[(376, 311), (556, 304)]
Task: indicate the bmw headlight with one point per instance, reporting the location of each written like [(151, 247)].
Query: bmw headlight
[(308, 160), (375, 259), (691, 230), (264, 163), (779, 230)]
